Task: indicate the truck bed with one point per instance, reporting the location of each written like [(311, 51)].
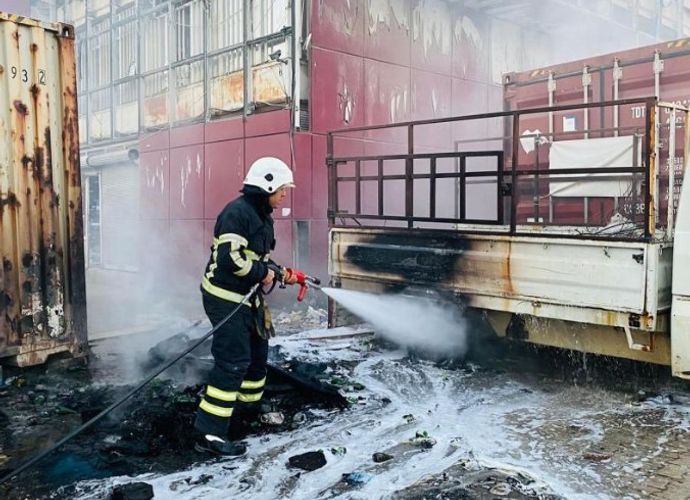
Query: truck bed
[(609, 283)]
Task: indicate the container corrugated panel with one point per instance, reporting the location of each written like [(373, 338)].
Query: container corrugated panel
[(42, 289), (622, 75)]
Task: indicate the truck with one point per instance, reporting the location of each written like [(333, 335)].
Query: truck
[(563, 218), (42, 285)]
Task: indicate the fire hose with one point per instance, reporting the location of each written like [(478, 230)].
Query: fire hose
[(303, 280)]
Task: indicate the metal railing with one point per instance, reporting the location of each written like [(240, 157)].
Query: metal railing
[(516, 176)]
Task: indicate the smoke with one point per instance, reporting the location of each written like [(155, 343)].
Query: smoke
[(420, 323)]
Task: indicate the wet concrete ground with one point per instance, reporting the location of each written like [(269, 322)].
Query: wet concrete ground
[(513, 423)]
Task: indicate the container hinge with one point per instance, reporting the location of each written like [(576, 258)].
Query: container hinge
[(633, 346), (586, 77), (658, 63), (551, 85), (617, 70)]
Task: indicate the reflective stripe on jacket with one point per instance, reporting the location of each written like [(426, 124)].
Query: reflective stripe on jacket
[(243, 238)]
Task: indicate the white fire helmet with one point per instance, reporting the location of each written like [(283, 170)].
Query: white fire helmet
[(269, 174)]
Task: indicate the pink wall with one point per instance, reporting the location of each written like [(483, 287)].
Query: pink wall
[(189, 174), (367, 67)]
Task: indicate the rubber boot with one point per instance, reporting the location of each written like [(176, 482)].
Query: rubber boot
[(208, 443)]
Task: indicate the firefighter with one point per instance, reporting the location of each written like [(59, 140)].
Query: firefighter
[(242, 241)]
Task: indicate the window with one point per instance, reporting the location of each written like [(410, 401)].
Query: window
[(225, 24), (190, 30), (154, 39), (124, 9), (125, 51), (81, 65), (126, 107), (72, 12), (99, 60), (269, 16), (99, 115)]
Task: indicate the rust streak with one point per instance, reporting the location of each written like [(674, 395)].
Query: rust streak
[(507, 273), (10, 200), (21, 108)]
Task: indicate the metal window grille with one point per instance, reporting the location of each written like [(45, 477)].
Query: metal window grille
[(155, 40), (126, 50), (99, 60), (190, 30), (225, 24)]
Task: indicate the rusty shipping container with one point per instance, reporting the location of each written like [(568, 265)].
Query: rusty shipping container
[(661, 70), (42, 289)]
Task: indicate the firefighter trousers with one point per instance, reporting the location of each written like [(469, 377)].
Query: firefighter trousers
[(239, 371)]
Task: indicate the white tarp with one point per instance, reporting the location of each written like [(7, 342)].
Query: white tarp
[(603, 153)]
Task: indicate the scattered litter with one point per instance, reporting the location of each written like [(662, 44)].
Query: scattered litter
[(273, 418), (309, 461), (501, 489), (357, 478), (352, 400), (18, 381), (456, 443), (202, 479), (380, 457), (423, 440), (299, 418), (176, 484), (409, 418), (111, 439), (132, 491), (597, 457), (338, 451)]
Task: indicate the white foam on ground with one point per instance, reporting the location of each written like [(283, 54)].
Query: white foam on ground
[(484, 419)]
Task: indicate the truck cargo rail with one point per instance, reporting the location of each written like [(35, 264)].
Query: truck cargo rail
[(444, 174)]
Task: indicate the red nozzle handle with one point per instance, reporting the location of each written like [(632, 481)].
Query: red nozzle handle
[(302, 293)]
